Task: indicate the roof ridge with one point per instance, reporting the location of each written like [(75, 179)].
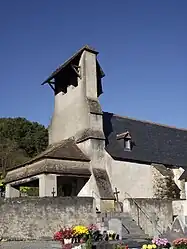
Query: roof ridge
[(58, 145), (69, 60), (149, 122), (51, 148)]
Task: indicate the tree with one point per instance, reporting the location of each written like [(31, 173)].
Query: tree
[(20, 140), (7, 148)]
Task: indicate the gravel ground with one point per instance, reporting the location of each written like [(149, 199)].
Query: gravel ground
[(30, 245), (56, 245)]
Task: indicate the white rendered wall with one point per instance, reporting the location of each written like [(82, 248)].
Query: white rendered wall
[(47, 183)]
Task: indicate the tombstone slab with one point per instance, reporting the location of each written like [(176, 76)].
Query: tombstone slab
[(115, 225)]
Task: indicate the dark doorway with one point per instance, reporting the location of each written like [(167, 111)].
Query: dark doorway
[(70, 185), (66, 186)]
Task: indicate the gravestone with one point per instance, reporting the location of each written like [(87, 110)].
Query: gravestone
[(177, 226), (177, 230), (115, 225)]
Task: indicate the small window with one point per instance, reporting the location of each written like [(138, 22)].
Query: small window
[(127, 140)]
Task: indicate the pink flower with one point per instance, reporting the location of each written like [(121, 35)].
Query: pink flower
[(58, 236), (81, 241), (180, 242), (92, 227)]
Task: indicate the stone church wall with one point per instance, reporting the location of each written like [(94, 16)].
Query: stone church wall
[(164, 183), (131, 179), (144, 181), (39, 218), (177, 172)]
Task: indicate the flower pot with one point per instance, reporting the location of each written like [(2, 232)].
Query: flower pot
[(67, 241)]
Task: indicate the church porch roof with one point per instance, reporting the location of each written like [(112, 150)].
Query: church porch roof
[(64, 150), (49, 166)]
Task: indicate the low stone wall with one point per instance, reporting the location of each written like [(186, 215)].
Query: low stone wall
[(38, 218), (152, 215)]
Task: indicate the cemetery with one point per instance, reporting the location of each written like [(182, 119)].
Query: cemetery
[(104, 181), (73, 222)]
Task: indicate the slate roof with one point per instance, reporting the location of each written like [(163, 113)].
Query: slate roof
[(52, 166), (163, 170), (183, 176), (103, 184), (153, 143), (66, 149)]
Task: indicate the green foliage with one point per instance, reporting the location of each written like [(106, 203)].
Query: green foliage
[(30, 191), (24, 189), (32, 137), (20, 140), (89, 243), (1, 182)]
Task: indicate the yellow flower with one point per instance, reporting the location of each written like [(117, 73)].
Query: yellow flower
[(149, 246), (110, 232), (144, 247), (153, 246), (79, 230)]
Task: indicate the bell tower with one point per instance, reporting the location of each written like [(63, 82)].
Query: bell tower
[(77, 85)]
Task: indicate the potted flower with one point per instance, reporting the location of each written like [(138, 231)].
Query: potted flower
[(180, 243), (94, 233), (64, 235), (80, 233), (111, 235), (58, 236), (161, 243), (92, 228), (67, 235), (149, 246)]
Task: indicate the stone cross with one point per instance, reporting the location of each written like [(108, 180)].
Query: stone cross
[(116, 194), (53, 192)]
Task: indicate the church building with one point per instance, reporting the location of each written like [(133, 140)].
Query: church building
[(101, 154)]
